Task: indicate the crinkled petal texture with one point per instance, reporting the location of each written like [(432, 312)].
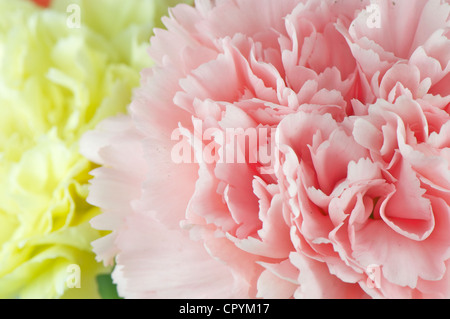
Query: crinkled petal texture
[(283, 149), (58, 80)]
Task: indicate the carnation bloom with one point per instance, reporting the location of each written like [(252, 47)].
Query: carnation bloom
[(58, 80), (346, 196)]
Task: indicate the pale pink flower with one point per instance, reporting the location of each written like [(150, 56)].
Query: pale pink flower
[(347, 195)]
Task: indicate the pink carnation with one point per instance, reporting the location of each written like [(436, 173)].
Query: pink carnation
[(283, 149)]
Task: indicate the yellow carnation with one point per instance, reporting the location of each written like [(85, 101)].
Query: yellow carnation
[(58, 79)]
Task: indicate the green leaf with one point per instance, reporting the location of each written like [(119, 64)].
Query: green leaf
[(106, 288)]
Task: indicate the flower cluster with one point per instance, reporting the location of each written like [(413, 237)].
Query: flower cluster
[(60, 74), (354, 201)]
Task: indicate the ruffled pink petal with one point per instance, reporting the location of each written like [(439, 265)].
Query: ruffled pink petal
[(316, 282), (278, 281), (406, 261), (159, 262), (408, 211), (116, 185)]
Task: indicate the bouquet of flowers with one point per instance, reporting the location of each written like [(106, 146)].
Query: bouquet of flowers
[(275, 149)]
